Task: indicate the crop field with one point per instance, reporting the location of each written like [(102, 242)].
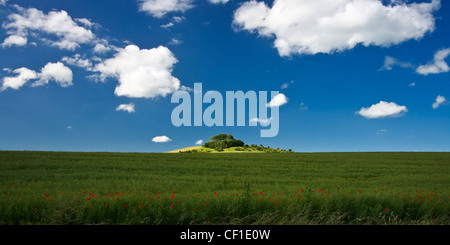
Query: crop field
[(66, 188)]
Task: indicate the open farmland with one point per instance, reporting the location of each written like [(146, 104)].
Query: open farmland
[(271, 188)]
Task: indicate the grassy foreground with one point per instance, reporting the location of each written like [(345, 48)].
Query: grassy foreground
[(270, 188)]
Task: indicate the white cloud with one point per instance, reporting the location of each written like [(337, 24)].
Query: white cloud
[(57, 23), (382, 109), (178, 19), (161, 139), (3, 2), (24, 75), (390, 62), (286, 85), (264, 122), (69, 127), (142, 73), (326, 26), (278, 100), (413, 84), (438, 65), (14, 40), (175, 41), (218, 1), (439, 101), (382, 131), (85, 22), (159, 8), (101, 48), (126, 107), (56, 72), (76, 60), (170, 24), (303, 106), (199, 142)]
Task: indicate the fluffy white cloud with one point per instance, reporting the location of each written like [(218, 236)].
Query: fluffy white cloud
[(161, 139), (58, 23), (142, 73), (76, 60), (326, 26), (14, 40), (126, 107), (438, 65), (3, 2), (439, 101), (101, 48), (383, 109), (199, 142), (56, 72), (218, 1), (278, 100), (159, 8), (24, 75)]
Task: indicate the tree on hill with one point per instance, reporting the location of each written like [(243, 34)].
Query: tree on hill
[(223, 141), (221, 137)]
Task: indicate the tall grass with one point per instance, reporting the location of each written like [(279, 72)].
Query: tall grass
[(137, 188)]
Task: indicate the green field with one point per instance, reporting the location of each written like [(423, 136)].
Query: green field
[(270, 188)]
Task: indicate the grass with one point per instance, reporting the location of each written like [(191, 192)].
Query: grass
[(238, 149), (271, 188)]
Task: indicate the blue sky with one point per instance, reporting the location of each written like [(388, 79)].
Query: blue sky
[(360, 75)]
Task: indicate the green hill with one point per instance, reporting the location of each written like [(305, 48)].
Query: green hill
[(226, 143)]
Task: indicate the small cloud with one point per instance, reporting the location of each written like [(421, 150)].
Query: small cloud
[(303, 106), (170, 24), (263, 122), (286, 85), (175, 41), (76, 60), (101, 48), (382, 131), (438, 65), (390, 62), (161, 139), (14, 40), (199, 142), (278, 100), (218, 1), (85, 22), (126, 107), (69, 127), (159, 8), (382, 109), (413, 84), (178, 19), (439, 101)]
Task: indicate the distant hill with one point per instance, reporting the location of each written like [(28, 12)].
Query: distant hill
[(226, 143)]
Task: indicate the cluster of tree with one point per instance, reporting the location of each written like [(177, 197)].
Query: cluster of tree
[(260, 147), (223, 141)]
